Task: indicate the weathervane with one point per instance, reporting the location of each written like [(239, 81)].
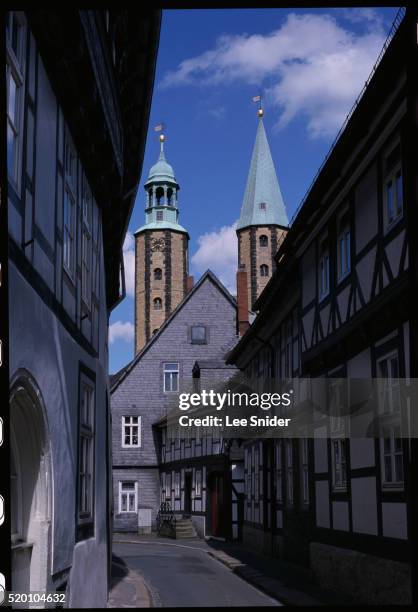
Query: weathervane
[(160, 128), (260, 111)]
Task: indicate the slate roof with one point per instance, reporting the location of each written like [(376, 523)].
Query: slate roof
[(207, 275), (262, 188)]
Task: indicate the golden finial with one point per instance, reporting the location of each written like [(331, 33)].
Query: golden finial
[(162, 137), (260, 112)]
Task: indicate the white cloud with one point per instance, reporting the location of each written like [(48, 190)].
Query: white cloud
[(217, 251), (121, 331), (310, 66), (129, 263)]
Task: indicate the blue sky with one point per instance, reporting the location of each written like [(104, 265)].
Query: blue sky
[(309, 65)]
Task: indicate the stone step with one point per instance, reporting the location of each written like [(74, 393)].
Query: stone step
[(185, 529)]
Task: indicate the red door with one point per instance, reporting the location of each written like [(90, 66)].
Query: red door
[(217, 498)]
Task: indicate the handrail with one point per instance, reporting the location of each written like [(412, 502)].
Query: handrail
[(166, 518)]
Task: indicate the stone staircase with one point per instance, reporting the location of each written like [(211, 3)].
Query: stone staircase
[(185, 529)]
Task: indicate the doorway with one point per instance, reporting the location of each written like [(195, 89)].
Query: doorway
[(217, 503), (31, 489)]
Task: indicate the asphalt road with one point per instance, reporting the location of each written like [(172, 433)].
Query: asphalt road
[(182, 575)]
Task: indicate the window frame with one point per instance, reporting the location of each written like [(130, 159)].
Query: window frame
[(394, 484), (155, 301), (171, 371), (388, 359), (198, 483), (263, 238), (16, 70), (343, 238), (128, 493), (131, 427), (70, 196), (198, 341), (390, 177), (264, 270), (86, 241), (324, 257), (339, 463), (86, 431)]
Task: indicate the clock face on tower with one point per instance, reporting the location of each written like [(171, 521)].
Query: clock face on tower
[(157, 244)]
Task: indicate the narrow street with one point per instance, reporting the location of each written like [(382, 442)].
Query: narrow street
[(186, 575)]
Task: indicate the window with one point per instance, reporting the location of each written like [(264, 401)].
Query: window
[(198, 483), (171, 377), (344, 248), (323, 270), (160, 215), (158, 303), (388, 384), (177, 484), (131, 431), (289, 471), (393, 188), (128, 496), (264, 270), (69, 207), (263, 206), (86, 453), (339, 464), (264, 241), (14, 82), (158, 274), (198, 334), (338, 406), (304, 468), (279, 471), (86, 243), (154, 331), (168, 486), (391, 457)]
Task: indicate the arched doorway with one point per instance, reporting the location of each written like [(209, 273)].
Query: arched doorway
[(31, 487)]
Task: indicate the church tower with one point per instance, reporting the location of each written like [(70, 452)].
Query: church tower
[(161, 253), (263, 218)]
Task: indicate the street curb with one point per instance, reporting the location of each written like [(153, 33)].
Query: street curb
[(143, 593), (270, 586)]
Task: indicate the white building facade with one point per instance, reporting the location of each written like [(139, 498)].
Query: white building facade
[(63, 263)]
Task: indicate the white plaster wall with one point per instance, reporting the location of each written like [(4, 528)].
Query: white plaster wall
[(394, 521), (322, 503), (340, 516), (40, 345), (364, 509)]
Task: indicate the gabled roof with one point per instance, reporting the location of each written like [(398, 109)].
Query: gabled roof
[(262, 188), (207, 275)]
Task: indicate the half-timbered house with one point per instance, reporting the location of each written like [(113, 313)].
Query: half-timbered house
[(343, 304), (79, 85), (202, 473)]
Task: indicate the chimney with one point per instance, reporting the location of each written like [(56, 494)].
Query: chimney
[(242, 300), (189, 284)]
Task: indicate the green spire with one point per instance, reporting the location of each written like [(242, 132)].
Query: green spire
[(161, 211), (263, 203)]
